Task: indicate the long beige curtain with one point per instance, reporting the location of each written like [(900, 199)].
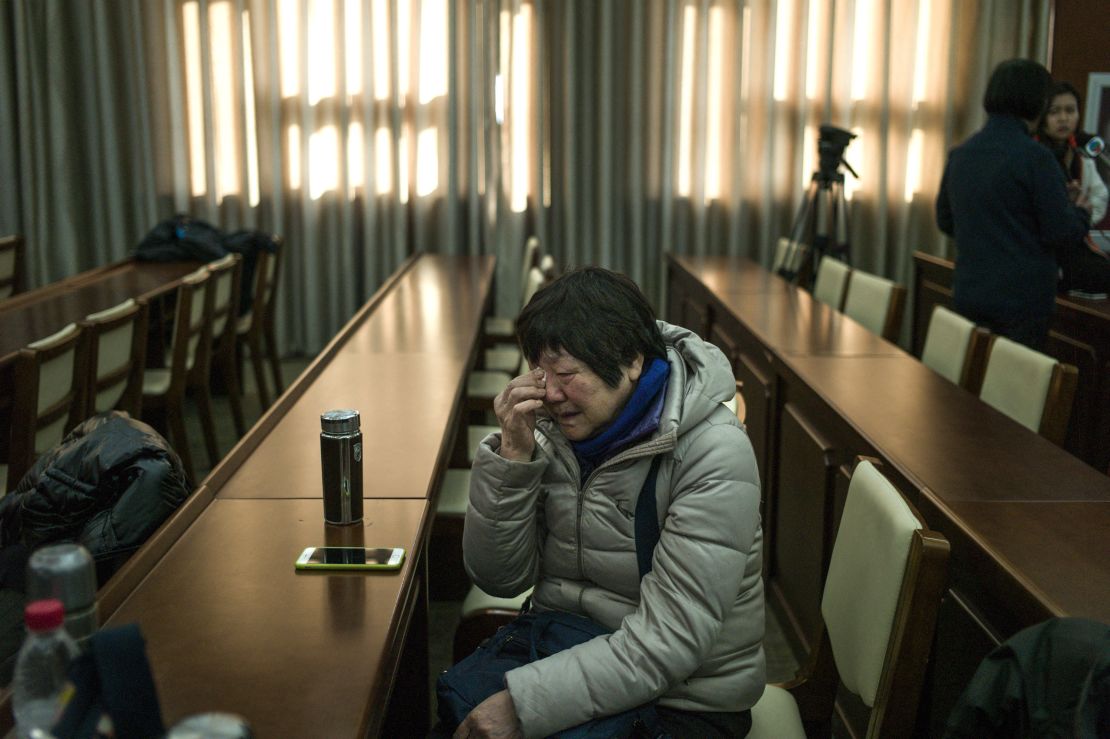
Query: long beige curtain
[(364, 130)]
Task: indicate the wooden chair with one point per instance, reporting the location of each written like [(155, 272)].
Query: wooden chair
[(225, 287), (47, 404), (12, 250), (113, 344), (256, 327), (955, 348), (1032, 388), (164, 388), (876, 302), (503, 328), (482, 615), (482, 386), (831, 284), (879, 608)]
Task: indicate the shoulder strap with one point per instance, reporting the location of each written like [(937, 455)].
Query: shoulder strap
[(647, 519)]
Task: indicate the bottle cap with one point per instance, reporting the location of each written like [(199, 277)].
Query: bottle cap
[(62, 571), (44, 615), (339, 422)]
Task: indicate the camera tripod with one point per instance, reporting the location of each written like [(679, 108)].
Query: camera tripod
[(822, 224)]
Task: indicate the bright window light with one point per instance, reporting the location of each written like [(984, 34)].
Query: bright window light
[(382, 70), (427, 161), (223, 101), (913, 164), (290, 44), (745, 77), (248, 105), (294, 149), (383, 158), (783, 42), (403, 167), (433, 49), (921, 61), (404, 33), (861, 49), (716, 96), (522, 26), (321, 50), (323, 159), (813, 48), (198, 170), (686, 111), (355, 152), (352, 38)]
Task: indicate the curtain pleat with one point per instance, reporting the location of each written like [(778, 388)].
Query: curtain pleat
[(615, 131)]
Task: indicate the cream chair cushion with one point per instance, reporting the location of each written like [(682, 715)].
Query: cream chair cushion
[(486, 383), (474, 436), (156, 381), (775, 716), (223, 288), (865, 578), (498, 326), (832, 279), (112, 353), (55, 382), (947, 342), (1017, 381), (478, 600), (454, 493), (502, 359), (868, 300)]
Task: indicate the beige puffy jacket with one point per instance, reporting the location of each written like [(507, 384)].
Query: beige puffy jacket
[(690, 633)]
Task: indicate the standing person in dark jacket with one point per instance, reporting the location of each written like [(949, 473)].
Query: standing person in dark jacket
[(1004, 199)]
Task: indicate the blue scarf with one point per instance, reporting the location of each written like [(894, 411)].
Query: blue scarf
[(639, 418)]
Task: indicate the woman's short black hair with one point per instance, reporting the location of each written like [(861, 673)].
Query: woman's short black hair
[(1064, 88), (1018, 87), (595, 315)]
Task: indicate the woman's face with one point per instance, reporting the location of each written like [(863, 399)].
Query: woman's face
[(1062, 117), (580, 401)]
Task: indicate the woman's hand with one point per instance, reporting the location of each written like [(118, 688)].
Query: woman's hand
[(493, 718), (516, 408)]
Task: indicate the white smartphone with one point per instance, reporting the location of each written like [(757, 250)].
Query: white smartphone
[(350, 558)]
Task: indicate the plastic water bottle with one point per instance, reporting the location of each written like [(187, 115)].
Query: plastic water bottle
[(40, 686)]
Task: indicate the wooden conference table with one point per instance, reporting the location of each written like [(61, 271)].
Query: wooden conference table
[(1028, 523), (229, 624)]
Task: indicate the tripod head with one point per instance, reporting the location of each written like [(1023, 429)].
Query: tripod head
[(830, 153)]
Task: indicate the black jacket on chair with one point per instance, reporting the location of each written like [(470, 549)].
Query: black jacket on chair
[(109, 484)]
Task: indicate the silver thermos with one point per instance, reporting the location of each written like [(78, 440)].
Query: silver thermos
[(341, 460), (66, 572)]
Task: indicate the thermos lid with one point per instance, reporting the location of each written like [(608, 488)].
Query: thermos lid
[(339, 422), (62, 571)]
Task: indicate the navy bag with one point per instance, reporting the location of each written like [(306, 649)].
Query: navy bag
[(535, 635)]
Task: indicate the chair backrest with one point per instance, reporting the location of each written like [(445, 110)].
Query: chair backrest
[(11, 265), (789, 255), (191, 325), (224, 286), (886, 576), (532, 284), (48, 375), (530, 259), (1032, 388), (113, 343), (266, 273), (955, 348), (876, 302), (832, 282)]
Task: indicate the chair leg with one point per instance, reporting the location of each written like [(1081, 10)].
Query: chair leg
[(175, 423), (255, 343), (275, 361), (231, 382), (207, 422)]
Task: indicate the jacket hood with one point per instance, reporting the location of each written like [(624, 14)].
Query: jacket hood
[(701, 379)]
